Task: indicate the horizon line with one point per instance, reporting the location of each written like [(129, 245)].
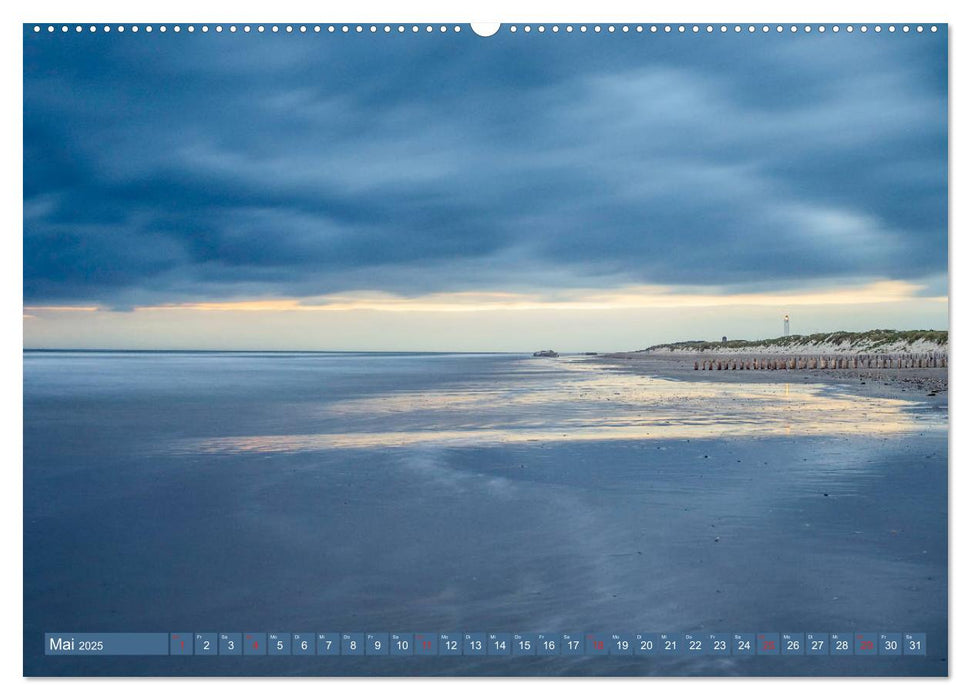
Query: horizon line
[(251, 350)]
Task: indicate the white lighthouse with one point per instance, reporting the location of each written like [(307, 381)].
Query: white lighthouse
[(785, 325)]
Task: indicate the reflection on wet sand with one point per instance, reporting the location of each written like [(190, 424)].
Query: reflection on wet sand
[(589, 404)]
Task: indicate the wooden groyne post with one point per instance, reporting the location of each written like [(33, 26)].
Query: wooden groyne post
[(773, 363)]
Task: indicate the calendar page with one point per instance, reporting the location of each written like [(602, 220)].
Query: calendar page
[(525, 349)]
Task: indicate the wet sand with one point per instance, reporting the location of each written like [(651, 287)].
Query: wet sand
[(213, 504), (927, 384)]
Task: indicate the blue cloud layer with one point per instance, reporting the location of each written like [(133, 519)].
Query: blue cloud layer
[(165, 167)]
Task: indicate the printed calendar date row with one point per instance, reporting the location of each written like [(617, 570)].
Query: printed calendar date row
[(487, 644)]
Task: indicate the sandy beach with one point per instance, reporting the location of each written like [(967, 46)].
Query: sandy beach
[(929, 384), (362, 492)]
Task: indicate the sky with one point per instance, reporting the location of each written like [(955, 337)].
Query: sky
[(445, 191)]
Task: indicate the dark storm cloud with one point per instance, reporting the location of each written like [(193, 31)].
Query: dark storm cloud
[(162, 168)]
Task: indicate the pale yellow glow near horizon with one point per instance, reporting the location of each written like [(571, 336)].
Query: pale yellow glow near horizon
[(58, 309), (639, 297)]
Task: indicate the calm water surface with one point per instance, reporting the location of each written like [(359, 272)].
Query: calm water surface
[(366, 492)]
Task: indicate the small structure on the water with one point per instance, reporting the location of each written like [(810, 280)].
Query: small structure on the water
[(546, 353)]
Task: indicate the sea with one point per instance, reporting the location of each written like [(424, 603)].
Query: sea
[(401, 493)]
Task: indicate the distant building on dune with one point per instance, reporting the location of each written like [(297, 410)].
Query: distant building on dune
[(724, 338), (785, 325)]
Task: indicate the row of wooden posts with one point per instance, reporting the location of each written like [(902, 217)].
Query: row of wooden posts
[(899, 361)]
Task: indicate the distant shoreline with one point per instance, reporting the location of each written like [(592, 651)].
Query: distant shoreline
[(878, 341), (928, 384), (145, 351)]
